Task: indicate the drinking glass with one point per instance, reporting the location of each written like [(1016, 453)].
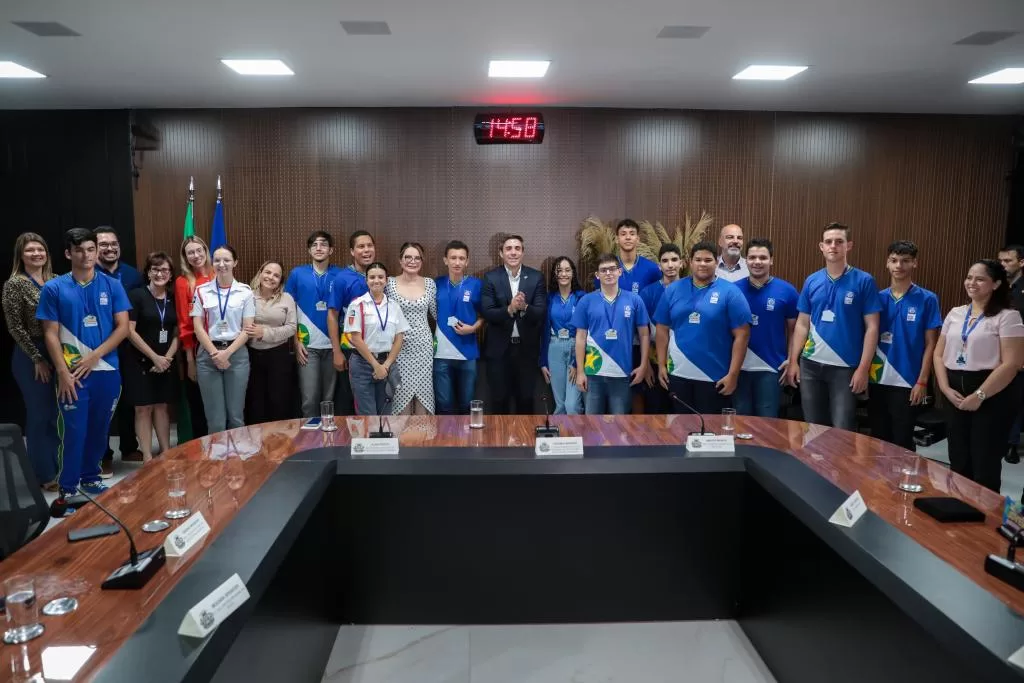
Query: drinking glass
[(910, 465), (476, 414), (22, 610), (728, 420), (327, 416), (177, 495), (127, 491)]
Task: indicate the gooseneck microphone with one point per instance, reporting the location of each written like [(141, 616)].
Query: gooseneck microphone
[(380, 433), (547, 430), (140, 568), (703, 431)]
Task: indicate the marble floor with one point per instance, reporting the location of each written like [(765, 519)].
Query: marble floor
[(663, 652)]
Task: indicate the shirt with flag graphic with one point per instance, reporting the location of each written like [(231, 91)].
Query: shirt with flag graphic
[(771, 306), (643, 273), (461, 301), (85, 314), (901, 335), (610, 326), (348, 285), (312, 294), (837, 308), (701, 320)]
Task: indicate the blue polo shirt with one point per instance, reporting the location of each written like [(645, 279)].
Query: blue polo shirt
[(129, 277), (771, 306), (837, 309), (610, 327), (643, 273), (85, 314), (559, 318), (701, 320), (461, 301), (901, 335), (312, 293), (349, 284)]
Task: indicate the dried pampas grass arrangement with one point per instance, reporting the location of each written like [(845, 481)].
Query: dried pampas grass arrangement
[(598, 237)]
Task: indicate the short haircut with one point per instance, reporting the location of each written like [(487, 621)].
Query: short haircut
[(1015, 248), (228, 248), (903, 248), (377, 265), (75, 236), (607, 258), (506, 238), (157, 258), (670, 248), (356, 235), (762, 242), (704, 246), (456, 244), (319, 235), (627, 223), (100, 229), (835, 225)]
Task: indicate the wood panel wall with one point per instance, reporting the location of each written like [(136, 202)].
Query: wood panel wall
[(416, 174)]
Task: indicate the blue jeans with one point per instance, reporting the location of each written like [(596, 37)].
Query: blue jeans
[(758, 393), (825, 395), (40, 415), (451, 376), (368, 394), (567, 395), (608, 395)]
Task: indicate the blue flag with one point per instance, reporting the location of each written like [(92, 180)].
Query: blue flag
[(218, 234)]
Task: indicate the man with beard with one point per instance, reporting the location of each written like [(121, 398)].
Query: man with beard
[(731, 265)]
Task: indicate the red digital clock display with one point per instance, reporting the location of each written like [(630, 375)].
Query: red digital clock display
[(499, 129)]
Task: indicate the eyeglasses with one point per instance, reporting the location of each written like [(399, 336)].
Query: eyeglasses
[(609, 270), (108, 245), (412, 258), (159, 270)]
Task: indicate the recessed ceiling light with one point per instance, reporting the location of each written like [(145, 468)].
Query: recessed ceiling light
[(768, 72), (14, 70), (504, 68), (1013, 76), (258, 67)]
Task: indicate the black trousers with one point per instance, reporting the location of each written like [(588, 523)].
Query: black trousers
[(272, 376), (977, 440), (196, 411), (344, 402), (512, 379), (891, 416), (703, 396)]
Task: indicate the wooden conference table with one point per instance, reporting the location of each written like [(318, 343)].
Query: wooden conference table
[(258, 487)]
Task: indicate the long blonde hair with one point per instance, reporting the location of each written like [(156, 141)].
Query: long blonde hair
[(255, 284), (186, 269), (18, 268)]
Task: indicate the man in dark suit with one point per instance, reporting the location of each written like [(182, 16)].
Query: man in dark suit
[(514, 303)]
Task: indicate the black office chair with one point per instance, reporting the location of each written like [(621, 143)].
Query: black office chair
[(23, 510)]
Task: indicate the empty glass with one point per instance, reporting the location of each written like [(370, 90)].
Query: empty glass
[(728, 420), (476, 414), (22, 610), (327, 416), (127, 491), (177, 496), (910, 465)]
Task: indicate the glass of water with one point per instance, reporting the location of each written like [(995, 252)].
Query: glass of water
[(22, 610), (910, 465), (177, 496), (476, 414), (327, 416), (728, 421)]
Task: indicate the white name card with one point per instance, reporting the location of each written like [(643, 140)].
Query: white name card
[(1017, 658), (374, 448), (214, 608), (559, 447), (703, 443), (186, 536), (850, 511)]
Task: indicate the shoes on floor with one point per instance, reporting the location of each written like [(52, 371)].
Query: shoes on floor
[(1012, 456), (51, 487), (106, 469), (94, 488), (134, 456)]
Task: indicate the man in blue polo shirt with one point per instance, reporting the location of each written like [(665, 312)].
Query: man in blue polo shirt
[(349, 284), (85, 316), (310, 286), (605, 323), (703, 328), (670, 260), (908, 331), (835, 336), (772, 318), (455, 343)]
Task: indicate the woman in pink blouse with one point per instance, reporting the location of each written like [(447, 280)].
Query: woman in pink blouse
[(980, 350)]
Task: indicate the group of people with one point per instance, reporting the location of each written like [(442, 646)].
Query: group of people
[(729, 334)]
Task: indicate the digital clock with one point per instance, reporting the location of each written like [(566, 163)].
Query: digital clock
[(500, 129)]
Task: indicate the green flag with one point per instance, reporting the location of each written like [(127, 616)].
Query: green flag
[(190, 228)]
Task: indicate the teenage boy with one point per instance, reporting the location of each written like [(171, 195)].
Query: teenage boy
[(670, 260), (348, 284), (635, 272), (456, 348)]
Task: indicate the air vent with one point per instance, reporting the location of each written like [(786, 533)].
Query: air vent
[(46, 29), (986, 38), (683, 31), (366, 28)]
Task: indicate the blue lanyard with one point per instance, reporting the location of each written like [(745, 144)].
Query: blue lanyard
[(965, 332), (160, 311), (222, 309), (387, 312), (320, 279), (453, 302), (609, 308), (83, 295)]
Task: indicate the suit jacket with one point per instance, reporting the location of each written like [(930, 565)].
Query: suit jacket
[(496, 295)]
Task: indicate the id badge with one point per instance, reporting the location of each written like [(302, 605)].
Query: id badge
[(90, 321), (611, 335), (563, 333), (828, 317), (163, 337), (321, 305), (911, 317), (453, 321), (221, 326), (886, 338), (961, 360), (695, 318)]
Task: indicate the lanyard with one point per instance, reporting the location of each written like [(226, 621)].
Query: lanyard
[(320, 279), (965, 331), (84, 296), (160, 311), (454, 301), (387, 312), (609, 309), (222, 309)]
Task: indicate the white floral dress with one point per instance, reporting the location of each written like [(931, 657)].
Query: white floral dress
[(416, 359)]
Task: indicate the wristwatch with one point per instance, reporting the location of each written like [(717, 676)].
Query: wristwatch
[(981, 395)]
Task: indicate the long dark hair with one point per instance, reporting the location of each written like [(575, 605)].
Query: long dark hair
[(553, 279), (1000, 298)]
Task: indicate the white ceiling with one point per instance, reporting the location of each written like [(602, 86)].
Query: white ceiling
[(865, 55)]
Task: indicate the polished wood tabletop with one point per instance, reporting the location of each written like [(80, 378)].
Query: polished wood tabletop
[(224, 471)]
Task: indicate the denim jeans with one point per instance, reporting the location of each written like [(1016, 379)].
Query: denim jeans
[(316, 380), (567, 394), (825, 395), (368, 394), (758, 394), (451, 378), (608, 396), (223, 390), (40, 415)]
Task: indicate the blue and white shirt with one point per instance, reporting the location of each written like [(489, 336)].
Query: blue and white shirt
[(643, 273), (559, 323), (312, 294), (772, 305), (610, 326), (901, 335), (701, 320), (349, 284), (837, 308), (85, 313), (457, 302)]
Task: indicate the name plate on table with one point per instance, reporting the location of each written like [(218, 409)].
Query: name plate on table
[(559, 447), (374, 448), (186, 536), (1017, 658), (212, 610), (850, 512), (705, 443)]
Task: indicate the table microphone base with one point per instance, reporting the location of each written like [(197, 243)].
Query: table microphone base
[(382, 435), (1005, 570), (133, 577), (546, 432)]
